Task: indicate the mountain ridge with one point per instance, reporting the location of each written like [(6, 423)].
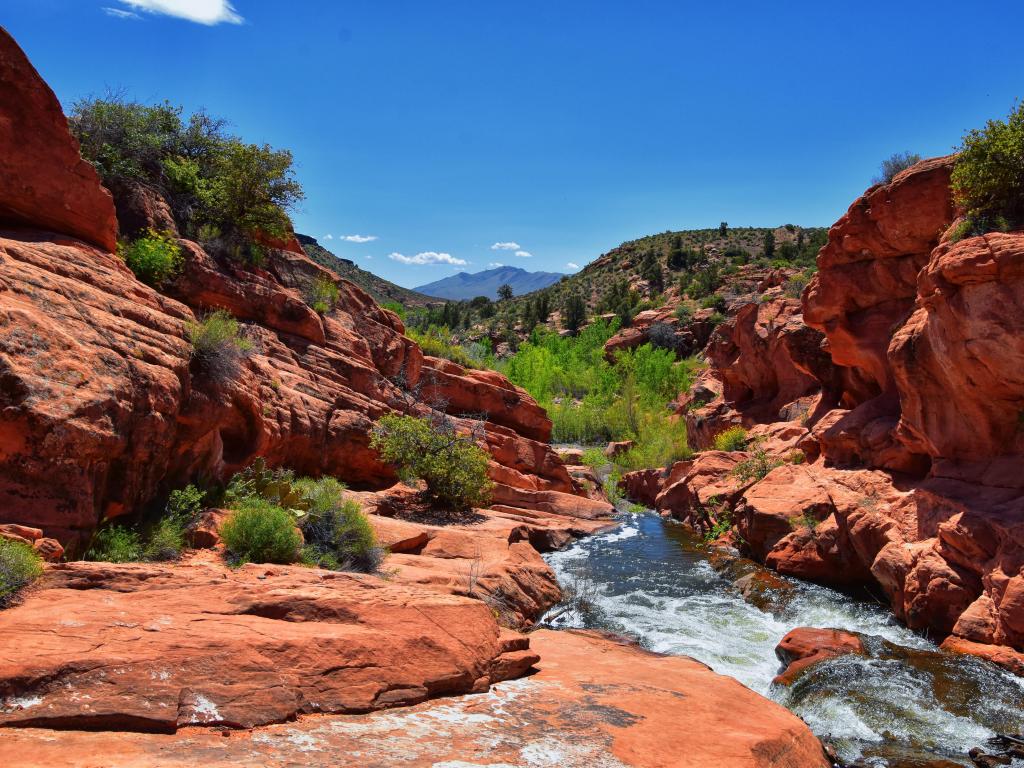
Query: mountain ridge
[(469, 285)]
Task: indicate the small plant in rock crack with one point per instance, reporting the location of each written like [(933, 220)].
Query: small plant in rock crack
[(756, 467), (322, 295), (218, 346), (805, 521)]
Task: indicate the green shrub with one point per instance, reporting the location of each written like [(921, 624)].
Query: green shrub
[(794, 287), (259, 531), (20, 565), (322, 295), (115, 544), (988, 179), (714, 301), (186, 503), (437, 341), (338, 535), (893, 164), (731, 439), (217, 345), (756, 467), (155, 257), (166, 539), (453, 467)]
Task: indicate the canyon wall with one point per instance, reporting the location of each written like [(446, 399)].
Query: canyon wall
[(893, 423)]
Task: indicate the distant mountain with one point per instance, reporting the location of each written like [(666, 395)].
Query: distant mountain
[(382, 290), (468, 286)]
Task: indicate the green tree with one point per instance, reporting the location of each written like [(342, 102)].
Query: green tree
[(988, 179), (723, 229), (504, 292), (769, 244), (451, 465), (650, 270), (893, 164), (574, 313)]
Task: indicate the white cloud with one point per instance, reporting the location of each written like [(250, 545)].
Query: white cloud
[(207, 12), (495, 264), (570, 265), (359, 238), (505, 247), (328, 237), (117, 13), (428, 257), (524, 254)]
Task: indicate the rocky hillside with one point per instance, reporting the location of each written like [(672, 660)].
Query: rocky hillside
[(105, 406), (383, 291), (882, 420)]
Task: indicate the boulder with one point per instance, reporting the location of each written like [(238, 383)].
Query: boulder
[(44, 182), (805, 646)]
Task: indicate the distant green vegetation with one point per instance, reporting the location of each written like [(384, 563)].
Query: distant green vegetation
[(591, 400), (221, 190), (438, 341), (988, 180), (894, 164)]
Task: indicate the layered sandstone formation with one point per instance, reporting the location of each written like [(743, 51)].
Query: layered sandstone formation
[(103, 409), (893, 405), (593, 702)]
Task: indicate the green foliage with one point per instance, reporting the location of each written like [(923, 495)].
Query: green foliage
[(115, 544), (504, 292), (217, 344), (259, 531), (591, 400), (166, 539), (650, 271), (186, 502), (323, 294), (794, 287), (988, 179), (723, 229), (893, 164), (277, 486), (155, 257), (719, 517), (217, 185), (453, 467), (20, 565), (768, 245), (756, 467), (395, 307), (714, 301), (337, 534), (731, 439), (574, 313), (438, 341)]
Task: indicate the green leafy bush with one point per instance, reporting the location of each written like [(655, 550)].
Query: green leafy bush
[(218, 186), (794, 287), (338, 535), (155, 257), (322, 295), (895, 163), (217, 344), (988, 179), (259, 531), (115, 544), (756, 467), (20, 565), (437, 341), (731, 439), (453, 467)]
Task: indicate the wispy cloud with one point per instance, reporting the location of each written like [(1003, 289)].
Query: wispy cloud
[(428, 257), (524, 254), (119, 13), (207, 12), (359, 238), (328, 237), (505, 247), (571, 265), (495, 264)]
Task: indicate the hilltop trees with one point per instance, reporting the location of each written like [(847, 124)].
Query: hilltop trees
[(893, 164), (504, 292), (650, 270), (769, 245), (219, 188), (988, 180)]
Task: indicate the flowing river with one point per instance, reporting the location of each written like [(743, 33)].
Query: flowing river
[(902, 705)]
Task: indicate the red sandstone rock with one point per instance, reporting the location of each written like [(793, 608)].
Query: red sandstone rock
[(140, 207), (805, 646), (593, 702), (1005, 657), (44, 182), (866, 280), (157, 647), (644, 485), (616, 449)]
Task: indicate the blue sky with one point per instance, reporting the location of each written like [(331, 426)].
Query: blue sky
[(562, 127)]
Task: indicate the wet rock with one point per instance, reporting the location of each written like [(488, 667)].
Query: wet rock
[(593, 702), (805, 646)]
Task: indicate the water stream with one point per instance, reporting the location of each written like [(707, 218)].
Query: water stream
[(903, 704)]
